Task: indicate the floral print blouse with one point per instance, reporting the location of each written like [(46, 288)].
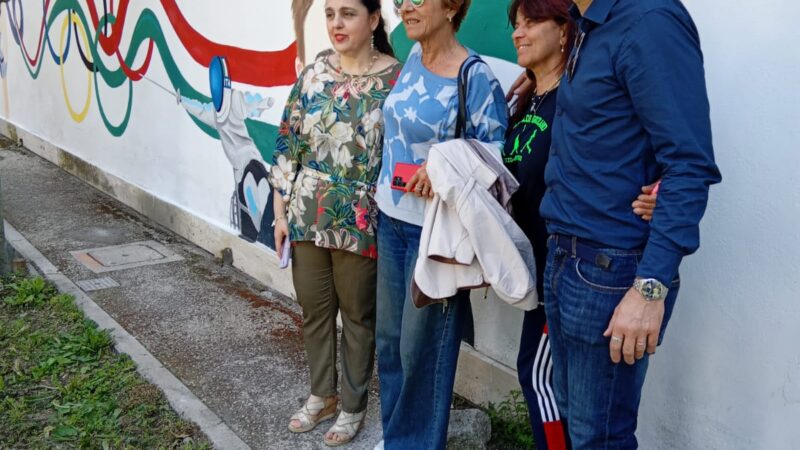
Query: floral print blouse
[(328, 155)]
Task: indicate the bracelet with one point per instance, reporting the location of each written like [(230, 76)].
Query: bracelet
[(279, 218)]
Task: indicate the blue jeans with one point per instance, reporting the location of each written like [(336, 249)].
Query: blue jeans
[(599, 399), (417, 347)]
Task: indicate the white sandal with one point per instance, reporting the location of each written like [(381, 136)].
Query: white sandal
[(347, 425), (312, 413)]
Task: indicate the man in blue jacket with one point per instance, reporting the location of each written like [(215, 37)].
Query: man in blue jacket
[(632, 108)]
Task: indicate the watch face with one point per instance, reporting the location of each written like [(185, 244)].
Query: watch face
[(652, 289), (656, 289)]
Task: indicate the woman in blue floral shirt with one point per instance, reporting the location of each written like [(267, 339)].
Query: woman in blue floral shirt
[(325, 167)]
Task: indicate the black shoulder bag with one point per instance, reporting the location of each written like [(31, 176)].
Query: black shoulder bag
[(463, 82)]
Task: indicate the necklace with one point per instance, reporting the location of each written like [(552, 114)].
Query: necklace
[(365, 70), (538, 100)]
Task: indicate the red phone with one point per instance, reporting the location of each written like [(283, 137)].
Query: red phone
[(402, 175)]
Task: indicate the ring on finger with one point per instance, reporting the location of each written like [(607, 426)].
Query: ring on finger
[(616, 338)]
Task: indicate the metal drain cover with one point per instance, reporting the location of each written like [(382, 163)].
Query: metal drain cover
[(127, 256), (97, 284)]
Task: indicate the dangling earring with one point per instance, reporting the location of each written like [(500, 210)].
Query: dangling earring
[(372, 43), (562, 47), (450, 19)]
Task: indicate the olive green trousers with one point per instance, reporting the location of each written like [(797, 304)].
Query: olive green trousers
[(328, 282)]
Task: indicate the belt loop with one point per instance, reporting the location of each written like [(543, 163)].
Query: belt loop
[(574, 247)]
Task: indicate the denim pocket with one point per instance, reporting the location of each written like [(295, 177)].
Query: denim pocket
[(618, 279)]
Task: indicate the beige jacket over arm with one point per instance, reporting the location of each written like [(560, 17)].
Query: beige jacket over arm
[(469, 239)]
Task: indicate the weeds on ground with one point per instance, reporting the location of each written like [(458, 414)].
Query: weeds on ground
[(63, 386), (511, 425)]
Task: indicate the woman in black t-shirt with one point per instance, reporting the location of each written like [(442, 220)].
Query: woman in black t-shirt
[(543, 35)]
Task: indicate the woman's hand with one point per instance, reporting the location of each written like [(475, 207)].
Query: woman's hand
[(281, 222), (420, 184), (281, 233), (645, 203)]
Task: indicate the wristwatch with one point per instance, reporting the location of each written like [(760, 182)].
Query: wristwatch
[(651, 289)]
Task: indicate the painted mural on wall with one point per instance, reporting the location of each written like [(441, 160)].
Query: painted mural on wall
[(251, 202), (136, 40), (72, 29)]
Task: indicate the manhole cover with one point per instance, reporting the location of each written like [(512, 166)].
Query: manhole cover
[(127, 256), (97, 284)]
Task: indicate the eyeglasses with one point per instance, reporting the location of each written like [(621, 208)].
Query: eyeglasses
[(416, 3), (572, 62)]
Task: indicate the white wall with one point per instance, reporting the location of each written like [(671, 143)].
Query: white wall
[(728, 374)]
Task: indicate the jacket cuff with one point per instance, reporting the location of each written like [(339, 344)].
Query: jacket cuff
[(659, 263)]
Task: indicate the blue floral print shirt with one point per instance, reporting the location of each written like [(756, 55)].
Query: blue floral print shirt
[(421, 111)]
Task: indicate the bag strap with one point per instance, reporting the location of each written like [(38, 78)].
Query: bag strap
[(463, 82)]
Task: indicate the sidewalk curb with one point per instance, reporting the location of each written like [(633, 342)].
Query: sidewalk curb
[(179, 396)]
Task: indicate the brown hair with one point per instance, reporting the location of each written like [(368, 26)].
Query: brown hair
[(541, 11), (461, 7), (381, 38)]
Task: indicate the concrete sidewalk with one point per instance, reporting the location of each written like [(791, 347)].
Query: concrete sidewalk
[(232, 341)]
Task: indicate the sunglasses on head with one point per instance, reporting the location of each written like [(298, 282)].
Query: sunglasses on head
[(416, 3)]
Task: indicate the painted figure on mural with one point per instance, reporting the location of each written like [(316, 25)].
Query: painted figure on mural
[(312, 40), (251, 202)]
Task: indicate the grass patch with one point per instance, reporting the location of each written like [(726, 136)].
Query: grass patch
[(62, 385), (511, 424)]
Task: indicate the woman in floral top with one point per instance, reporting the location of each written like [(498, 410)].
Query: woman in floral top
[(326, 164), (328, 155)]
